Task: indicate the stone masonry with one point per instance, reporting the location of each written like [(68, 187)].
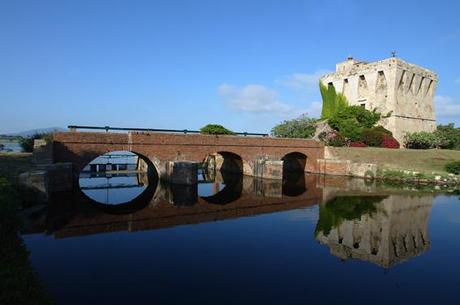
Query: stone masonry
[(390, 85)]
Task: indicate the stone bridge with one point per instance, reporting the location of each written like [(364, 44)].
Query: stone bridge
[(263, 157)]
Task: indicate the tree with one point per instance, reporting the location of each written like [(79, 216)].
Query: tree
[(216, 130), (301, 127)]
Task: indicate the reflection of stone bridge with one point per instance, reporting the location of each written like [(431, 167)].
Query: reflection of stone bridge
[(254, 156), (178, 206)]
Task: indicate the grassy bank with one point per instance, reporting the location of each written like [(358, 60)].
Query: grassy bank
[(423, 161)]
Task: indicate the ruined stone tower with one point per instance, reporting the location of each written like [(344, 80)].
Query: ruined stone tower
[(391, 84)]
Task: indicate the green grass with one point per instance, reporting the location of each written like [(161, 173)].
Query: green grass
[(424, 161)]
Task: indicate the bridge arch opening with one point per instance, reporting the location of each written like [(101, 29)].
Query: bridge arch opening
[(119, 181), (294, 162), (294, 165), (223, 161)]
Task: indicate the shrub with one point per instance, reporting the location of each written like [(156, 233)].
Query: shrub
[(419, 140), (353, 120), (389, 142), (372, 137), (445, 137), (358, 144), (338, 141), (453, 167), (332, 138), (382, 130), (302, 127), (216, 130), (451, 134)]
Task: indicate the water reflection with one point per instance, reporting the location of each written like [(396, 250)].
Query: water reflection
[(384, 230), (118, 182), (283, 249), (354, 221), (113, 188)]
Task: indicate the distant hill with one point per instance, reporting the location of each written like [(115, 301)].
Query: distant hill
[(29, 133)]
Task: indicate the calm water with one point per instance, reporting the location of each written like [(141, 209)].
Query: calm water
[(245, 241), (11, 146)]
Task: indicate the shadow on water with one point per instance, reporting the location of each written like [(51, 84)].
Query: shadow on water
[(232, 188), (294, 184)]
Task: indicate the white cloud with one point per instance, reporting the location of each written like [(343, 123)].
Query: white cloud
[(303, 81), (446, 106), (254, 98)]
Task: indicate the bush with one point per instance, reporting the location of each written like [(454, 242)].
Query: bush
[(333, 139), (453, 167), (450, 134), (302, 127), (445, 137), (358, 144), (389, 142), (419, 140), (338, 141), (382, 130), (215, 129), (353, 120), (372, 137)]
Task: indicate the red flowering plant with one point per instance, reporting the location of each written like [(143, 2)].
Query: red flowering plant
[(389, 142)]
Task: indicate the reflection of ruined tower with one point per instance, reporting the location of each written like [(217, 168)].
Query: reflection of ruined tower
[(396, 231), (389, 85)]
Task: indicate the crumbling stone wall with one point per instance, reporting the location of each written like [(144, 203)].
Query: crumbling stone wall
[(405, 89)]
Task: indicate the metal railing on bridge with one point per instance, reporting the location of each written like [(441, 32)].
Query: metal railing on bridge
[(184, 131)]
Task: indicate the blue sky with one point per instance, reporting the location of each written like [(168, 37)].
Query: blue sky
[(182, 64)]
